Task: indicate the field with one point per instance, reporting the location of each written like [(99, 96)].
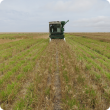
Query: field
[(71, 75)]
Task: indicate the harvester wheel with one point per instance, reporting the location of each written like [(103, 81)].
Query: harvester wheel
[(50, 39), (64, 39)]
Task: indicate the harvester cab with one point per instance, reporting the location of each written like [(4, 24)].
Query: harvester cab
[(56, 29)]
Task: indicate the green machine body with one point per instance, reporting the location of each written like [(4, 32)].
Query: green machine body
[(56, 29)]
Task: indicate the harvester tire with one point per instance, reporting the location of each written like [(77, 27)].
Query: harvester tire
[(50, 40), (64, 39)]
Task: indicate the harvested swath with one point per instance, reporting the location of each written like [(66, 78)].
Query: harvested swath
[(96, 85), (15, 36), (19, 79), (103, 37)]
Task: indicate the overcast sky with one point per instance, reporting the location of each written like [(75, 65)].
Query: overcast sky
[(34, 15)]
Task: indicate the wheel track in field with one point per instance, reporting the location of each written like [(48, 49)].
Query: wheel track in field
[(57, 100), (53, 82), (52, 101)]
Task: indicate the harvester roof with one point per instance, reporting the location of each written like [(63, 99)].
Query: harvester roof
[(55, 22)]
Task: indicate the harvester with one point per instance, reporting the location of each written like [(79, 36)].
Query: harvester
[(56, 29)]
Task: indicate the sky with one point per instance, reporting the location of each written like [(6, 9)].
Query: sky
[(35, 15)]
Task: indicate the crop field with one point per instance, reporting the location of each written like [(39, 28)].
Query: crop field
[(71, 75)]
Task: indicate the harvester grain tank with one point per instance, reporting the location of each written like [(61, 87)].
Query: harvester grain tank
[(56, 29)]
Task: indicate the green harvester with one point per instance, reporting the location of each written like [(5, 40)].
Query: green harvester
[(56, 29)]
